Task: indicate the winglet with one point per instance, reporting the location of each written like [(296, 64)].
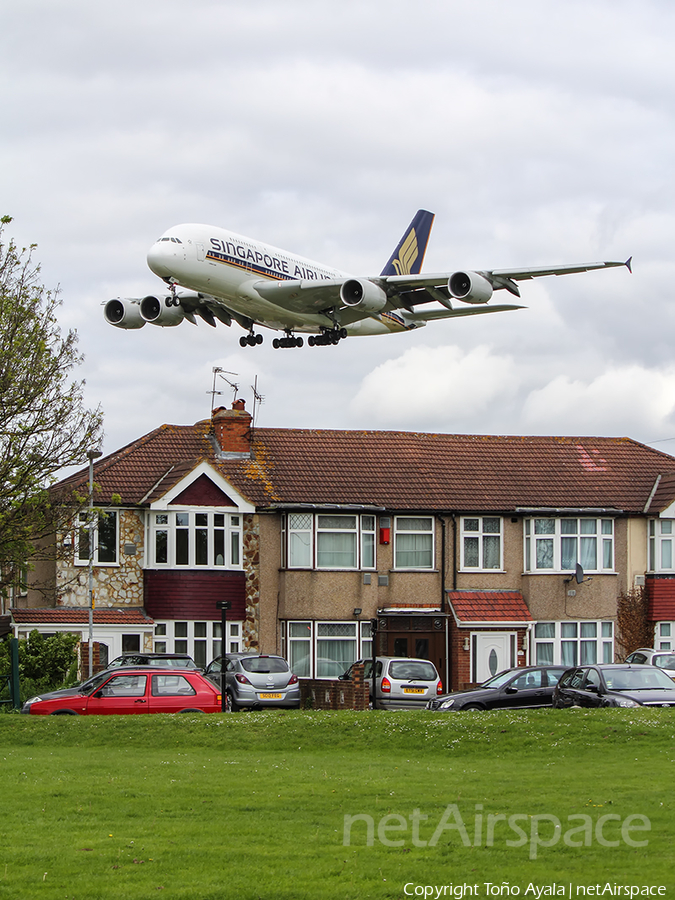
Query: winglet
[(629, 264), (408, 256)]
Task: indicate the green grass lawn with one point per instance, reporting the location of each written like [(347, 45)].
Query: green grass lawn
[(254, 805)]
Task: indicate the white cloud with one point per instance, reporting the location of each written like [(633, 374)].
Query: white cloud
[(636, 394), (436, 384)]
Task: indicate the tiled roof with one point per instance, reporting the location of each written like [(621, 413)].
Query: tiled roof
[(663, 494), (394, 470), (474, 607), (80, 616)]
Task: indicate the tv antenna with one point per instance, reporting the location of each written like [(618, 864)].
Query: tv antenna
[(258, 399), (220, 373)]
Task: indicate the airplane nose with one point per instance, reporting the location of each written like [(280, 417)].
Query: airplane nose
[(159, 258)]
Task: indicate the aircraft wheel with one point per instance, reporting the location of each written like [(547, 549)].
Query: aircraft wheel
[(275, 343), (311, 340), (299, 342), (343, 333), (251, 340), (243, 342), (258, 338)]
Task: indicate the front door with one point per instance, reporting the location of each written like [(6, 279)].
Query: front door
[(492, 652), (418, 637)]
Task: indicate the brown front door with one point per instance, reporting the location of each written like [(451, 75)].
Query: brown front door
[(419, 637)]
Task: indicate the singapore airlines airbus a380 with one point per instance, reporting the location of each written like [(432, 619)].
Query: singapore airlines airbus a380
[(216, 274)]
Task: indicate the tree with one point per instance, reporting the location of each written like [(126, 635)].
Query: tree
[(44, 425)]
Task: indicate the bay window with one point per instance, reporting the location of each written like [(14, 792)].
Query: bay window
[(661, 537), (325, 649), (195, 539), (558, 545), (573, 643)]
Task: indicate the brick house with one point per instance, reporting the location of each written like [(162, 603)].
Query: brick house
[(464, 547)]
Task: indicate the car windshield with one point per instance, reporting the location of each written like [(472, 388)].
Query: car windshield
[(89, 686), (404, 670), (642, 679), (499, 680), (264, 665), (664, 660)]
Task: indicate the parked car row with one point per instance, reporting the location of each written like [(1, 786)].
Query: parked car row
[(151, 683)]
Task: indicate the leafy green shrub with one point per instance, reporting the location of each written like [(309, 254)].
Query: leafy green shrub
[(45, 663)]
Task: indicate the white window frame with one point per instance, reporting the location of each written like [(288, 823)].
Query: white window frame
[(664, 636), (401, 530), (222, 529), (303, 639), (661, 545), (481, 535), (82, 536), (180, 636), (568, 642), (301, 533), (560, 532)]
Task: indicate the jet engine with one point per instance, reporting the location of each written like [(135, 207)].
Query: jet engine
[(123, 313), (165, 311), (469, 287), (363, 295)]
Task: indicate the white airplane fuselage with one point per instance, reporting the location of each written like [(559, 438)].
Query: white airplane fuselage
[(226, 265)]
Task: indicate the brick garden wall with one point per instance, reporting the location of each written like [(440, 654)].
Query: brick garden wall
[(320, 693)]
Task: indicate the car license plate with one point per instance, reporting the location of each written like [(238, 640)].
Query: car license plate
[(270, 696), (414, 690)]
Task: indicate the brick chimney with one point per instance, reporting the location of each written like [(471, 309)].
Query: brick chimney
[(232, 428)]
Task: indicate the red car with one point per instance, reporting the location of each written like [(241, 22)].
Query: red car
[(135, 690)]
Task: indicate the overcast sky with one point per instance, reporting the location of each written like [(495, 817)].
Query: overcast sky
[(539, 132)]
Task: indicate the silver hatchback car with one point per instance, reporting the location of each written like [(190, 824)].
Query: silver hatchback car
[(254, 681), (400, 683)]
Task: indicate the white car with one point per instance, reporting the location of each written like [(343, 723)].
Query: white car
[(647, 656)]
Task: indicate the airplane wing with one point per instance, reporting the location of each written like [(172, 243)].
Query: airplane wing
[(356, 298)]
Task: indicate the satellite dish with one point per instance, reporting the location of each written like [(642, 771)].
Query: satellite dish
[(579, 574)]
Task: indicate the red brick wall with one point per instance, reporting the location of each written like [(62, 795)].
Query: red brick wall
[(317, 693), (193, 595)]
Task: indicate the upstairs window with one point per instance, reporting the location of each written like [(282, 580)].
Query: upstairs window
[(558, 545), (481, 542), (105, 538), (328, 541), (195, 539), (661, 537), (413, 542)]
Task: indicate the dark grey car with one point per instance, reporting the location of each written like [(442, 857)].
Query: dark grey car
[(614, 685), (524, 688), (255, 680)]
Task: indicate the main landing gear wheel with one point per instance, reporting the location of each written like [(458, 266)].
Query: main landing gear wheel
[(327, 337), (288, 341), (250, 340)]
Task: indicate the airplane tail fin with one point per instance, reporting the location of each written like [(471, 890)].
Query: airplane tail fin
[(408, 256)]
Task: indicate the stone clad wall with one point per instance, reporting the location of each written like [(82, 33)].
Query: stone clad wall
[(251, 560), (114, 586)]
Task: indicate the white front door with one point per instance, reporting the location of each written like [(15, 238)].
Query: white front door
[(492, 652)]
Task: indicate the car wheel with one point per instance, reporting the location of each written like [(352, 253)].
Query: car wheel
[(234, 707), (472, 707), (64, 712), (192, 711)]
